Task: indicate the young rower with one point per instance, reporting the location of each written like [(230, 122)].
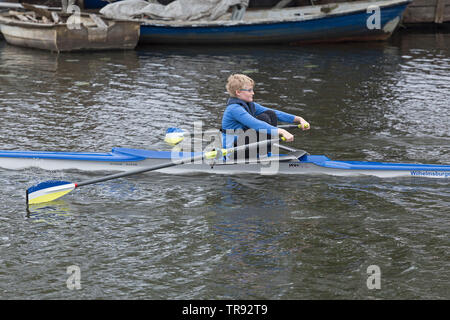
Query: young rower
[(242, 113)]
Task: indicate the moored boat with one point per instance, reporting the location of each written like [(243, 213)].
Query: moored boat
[(125, 159), (338, 22), (52, 31)]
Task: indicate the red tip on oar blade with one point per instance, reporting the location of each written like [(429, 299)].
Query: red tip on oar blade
[(48, 191)]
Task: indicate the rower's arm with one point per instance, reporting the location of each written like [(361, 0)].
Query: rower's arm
[(243, 117), (282, 116)]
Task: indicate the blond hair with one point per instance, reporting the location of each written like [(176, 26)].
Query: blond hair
[(238, 81)]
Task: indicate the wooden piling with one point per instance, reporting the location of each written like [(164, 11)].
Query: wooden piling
[(427, 11), (440, 7)]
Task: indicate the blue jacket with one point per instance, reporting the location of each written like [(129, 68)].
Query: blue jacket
[(241, 115)]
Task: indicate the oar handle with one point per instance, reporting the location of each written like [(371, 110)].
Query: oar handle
[(296, 126), (177, 133)]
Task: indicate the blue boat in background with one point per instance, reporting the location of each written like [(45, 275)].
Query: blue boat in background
[(339, 22), (370, 20), (94, 4)]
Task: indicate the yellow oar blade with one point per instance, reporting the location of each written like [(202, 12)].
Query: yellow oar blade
[(174, 136), (48, 191)]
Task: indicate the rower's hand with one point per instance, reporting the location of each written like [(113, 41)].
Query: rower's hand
[(303, 123), (286, 135)]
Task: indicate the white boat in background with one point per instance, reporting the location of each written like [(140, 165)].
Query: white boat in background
[(57, 31)]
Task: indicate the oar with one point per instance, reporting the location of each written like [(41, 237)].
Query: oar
[(296, 126), (175, 135), (52, 190), (289, 148)]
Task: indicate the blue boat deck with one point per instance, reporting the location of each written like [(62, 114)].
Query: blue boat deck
[(58, 155), (324, 161)]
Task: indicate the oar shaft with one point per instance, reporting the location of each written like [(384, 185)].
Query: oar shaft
[(194, 134), (170, 164), (286, 148), (51, 190), (137, 171), (216, 131), (287, 126)]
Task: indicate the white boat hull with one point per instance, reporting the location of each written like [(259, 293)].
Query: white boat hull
[(288, 167)]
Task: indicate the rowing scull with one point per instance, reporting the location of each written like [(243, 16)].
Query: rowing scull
[(125, 159)]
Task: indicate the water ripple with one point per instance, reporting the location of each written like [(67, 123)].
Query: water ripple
[(157, 236)]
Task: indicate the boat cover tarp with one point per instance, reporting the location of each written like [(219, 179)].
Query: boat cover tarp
[(184, 10)]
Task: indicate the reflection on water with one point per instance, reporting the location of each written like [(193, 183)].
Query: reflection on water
[(51, 213), (159, 236), (61, 93)]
